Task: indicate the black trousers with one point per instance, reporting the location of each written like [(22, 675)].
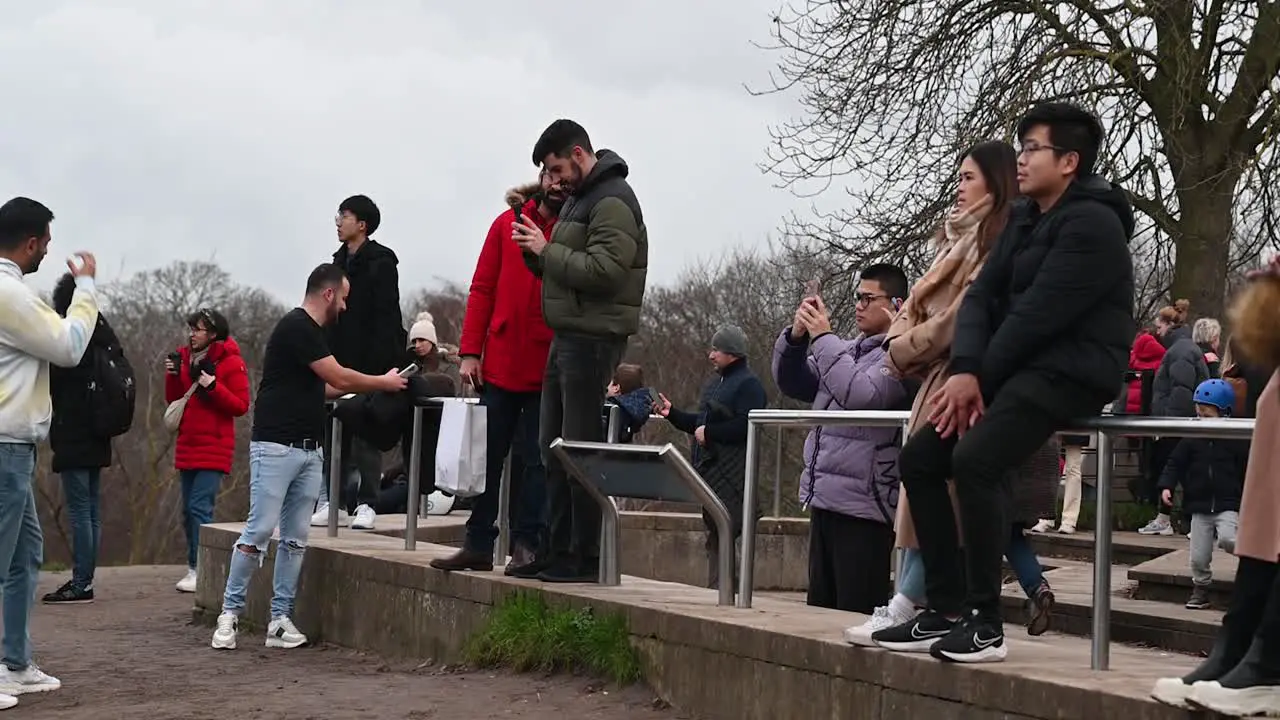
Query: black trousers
[(358, 458), (579, 369), (1012, 429), (849, 561), (1159, 451), (1254, 613)]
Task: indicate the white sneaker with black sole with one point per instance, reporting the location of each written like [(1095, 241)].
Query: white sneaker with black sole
[(321, 516), (224, 633), (281, 633), (973, 640), (364, 518), (916, 635)]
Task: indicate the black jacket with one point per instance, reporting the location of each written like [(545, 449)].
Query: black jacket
[(1211, 473), (71, 437), (370, 336), (1051, 312), (1181, 372)]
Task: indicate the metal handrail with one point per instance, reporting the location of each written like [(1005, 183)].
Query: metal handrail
[(1105, 428)]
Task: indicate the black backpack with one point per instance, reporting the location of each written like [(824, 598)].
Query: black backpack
[(112, 391)]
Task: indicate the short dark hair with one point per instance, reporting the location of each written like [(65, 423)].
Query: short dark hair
[(1071, 129), (560, 138), (890, 276), (628, 378), (364, 210), (213, 320), (325, 276), (22, 219)]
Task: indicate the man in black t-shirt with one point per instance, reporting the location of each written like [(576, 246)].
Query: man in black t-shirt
[(285, 456)]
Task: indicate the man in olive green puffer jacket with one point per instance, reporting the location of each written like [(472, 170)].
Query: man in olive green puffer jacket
[(593, 275)]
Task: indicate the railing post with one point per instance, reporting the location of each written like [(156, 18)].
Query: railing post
[(335, 474), (746, 576), (777, 475), (415, 493), (504, 512), (1100, 652)]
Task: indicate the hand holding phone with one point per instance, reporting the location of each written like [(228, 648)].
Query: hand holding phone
[(812, 288), (409, 370)]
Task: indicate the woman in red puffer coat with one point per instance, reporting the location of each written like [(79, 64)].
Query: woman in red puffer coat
[(1145, 355)]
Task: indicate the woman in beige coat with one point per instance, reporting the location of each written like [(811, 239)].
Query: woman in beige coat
[(920, 336), (1241, 677)]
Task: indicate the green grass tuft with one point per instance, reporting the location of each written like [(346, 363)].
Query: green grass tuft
[(526, 634)]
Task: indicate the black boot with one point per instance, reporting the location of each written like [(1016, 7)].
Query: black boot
[(1254, 581), (1251, 688)]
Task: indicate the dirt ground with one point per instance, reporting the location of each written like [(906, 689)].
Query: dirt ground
[(135, 653)]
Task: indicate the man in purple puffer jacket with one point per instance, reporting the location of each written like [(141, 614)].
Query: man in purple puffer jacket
[(850, 480)]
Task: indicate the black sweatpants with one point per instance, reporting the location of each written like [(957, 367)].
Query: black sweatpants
[(849, 561), (1012, 429)]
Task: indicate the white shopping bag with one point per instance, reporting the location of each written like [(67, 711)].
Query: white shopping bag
[(461, 448)]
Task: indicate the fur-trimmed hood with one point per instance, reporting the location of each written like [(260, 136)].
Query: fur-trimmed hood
[(521, 194)]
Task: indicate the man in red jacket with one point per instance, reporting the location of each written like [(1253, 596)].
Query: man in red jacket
[(504, 354), (211, 368)]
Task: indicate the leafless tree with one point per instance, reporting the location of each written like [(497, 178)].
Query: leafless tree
[(893, 91)]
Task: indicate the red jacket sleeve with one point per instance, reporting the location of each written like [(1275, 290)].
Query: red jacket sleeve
[(231, 391), (173, 387), (484, 285)]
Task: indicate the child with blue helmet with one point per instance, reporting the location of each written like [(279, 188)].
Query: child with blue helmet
[(1211, 473)]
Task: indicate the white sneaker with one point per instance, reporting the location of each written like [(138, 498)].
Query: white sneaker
[(1067, 529), (321, 516), (7, 701), (31, 680), (364, 518), (224, 634), (881, 618), (188, 582), (281, 633), (1156, 527), (1043, 526)]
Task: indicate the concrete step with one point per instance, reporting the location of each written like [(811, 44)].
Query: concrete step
[(1168, 577), (1142, 622), (1127, 548)]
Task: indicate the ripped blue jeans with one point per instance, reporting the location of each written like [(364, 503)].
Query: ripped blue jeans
[(284, 483)]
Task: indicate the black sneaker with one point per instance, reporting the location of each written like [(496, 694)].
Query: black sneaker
[(69, 594), (916, 635), (1199, 599), (570, 573), (974, 640)]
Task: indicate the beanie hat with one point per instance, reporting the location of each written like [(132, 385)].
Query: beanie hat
[(730, 340), (424, 328)]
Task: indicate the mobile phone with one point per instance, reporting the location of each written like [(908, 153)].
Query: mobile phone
[(653, 396), (409, 370), (517, 209), (897, 304), (812, 288)]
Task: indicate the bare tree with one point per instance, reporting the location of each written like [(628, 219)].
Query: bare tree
[(893, 91)]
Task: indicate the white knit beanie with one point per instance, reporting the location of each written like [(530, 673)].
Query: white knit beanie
[(424, 328)]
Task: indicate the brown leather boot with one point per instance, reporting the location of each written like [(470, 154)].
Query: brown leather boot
[(521, 557), (464, 559)]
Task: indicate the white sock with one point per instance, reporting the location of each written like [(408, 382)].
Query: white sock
[(901, 606), (1163, 517)]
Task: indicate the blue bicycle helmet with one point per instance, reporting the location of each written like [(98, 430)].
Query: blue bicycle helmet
[(1217, 393)]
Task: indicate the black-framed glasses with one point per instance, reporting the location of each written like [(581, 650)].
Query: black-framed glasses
[(865, 299), (1035, 147)]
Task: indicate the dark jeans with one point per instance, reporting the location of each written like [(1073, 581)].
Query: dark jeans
[(1022, 558), (80, 490), (512, 419), (849, 561), (579, 369), (1011, 430), (199, 491)]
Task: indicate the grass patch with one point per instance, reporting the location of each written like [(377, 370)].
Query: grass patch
[(526, 634), (54, 566)]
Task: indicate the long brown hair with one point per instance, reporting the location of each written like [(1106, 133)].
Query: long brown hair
[(1256, 323), (998, 163), (1175, 314)]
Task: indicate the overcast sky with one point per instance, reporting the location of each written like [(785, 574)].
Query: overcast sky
[(230, 130)]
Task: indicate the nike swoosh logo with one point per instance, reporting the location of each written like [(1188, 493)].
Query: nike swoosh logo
[(917, 635), (984, 643)]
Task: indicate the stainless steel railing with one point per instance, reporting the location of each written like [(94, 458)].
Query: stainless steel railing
[(1105, 428)]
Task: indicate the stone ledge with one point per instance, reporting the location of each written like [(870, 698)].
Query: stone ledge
[(366, 592)]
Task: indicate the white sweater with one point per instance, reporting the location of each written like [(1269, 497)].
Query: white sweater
[(32, 335)]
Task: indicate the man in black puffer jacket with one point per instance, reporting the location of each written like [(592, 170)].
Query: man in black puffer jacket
[(1042, 338)]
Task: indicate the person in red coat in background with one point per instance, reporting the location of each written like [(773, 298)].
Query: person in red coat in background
[(211, 367), (504, 350), (1144, 356)]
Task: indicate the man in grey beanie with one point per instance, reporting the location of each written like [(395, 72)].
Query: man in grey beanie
[(719, 430)]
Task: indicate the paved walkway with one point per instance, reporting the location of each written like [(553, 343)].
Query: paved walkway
[(135, 653)]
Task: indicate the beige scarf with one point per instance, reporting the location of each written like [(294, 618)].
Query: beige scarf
[(937, 295)]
